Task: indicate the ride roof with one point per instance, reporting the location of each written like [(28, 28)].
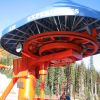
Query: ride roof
[(63, 15)]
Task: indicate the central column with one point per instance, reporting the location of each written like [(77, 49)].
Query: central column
[(43, 73), (27, 87)]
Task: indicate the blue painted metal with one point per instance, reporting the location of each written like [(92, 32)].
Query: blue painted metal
[(80, 10), (17, 32)]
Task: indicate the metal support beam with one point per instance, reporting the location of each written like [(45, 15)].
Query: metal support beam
[(8, 89), (43, 73), (42, 87), (27, 87)]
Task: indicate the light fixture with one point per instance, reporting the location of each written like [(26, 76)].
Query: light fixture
[(19, 47)]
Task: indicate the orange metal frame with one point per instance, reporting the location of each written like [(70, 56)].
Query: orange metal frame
[(8, 89)]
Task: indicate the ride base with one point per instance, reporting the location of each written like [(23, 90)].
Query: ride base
[(47, 49)]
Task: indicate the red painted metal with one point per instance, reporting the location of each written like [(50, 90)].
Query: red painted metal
[(55, 49), (42, 73), (58, 47), (50, 48)]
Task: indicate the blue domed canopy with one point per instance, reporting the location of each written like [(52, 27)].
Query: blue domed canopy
[(64, 15)]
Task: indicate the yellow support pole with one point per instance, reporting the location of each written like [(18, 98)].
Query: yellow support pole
[(27, 89), (8, 89)]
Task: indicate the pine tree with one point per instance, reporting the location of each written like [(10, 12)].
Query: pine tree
[(51, 72)]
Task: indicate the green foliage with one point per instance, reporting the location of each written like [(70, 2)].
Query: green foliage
[(51, 72), (79, 76), (3, 61), (7, 72), (47, 87), (37, 87)]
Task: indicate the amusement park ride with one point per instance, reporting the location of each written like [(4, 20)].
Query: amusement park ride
[(62, 34)]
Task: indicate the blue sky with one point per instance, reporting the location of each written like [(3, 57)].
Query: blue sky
[(12, 11)]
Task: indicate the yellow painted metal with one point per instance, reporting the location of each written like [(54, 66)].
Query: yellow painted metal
[(42, 72), (8, 89), (23, 73), (27, 89)]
